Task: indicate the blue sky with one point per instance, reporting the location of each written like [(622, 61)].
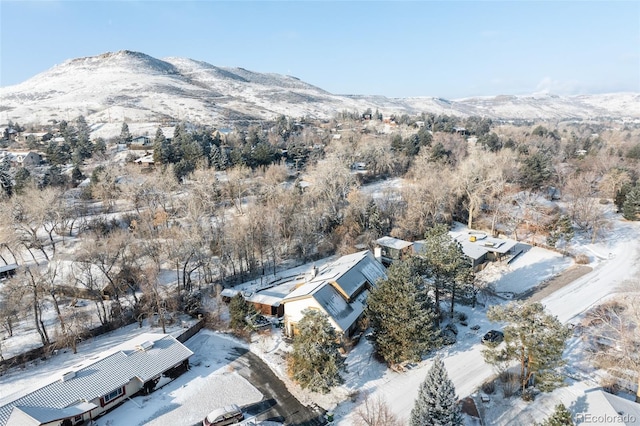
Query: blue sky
[(394, 48)]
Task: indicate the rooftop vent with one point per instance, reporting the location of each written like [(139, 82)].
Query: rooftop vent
[(145, 346), (68, 376)]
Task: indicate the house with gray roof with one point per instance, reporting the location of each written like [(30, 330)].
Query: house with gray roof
[(339, 289), (99, 384)]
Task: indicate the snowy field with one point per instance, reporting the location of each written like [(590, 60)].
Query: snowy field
[(212, 381)]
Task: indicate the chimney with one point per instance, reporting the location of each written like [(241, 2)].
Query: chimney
[(377, 253)]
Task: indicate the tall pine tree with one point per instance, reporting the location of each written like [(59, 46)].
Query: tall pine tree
[(631, 205), (6, 184), (533, 338), (402, 316), (125, 135), (315, 362), (238, 311), (162, 149), (560, 417), (445, 264), (437, 403)]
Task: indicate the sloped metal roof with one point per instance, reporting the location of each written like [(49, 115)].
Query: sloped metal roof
[(104, 374), (343, 313), (41, 415), (352, 271), (305, 290), (265, 297)]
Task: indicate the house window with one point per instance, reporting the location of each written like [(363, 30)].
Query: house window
[(77, 419), (112, 395)]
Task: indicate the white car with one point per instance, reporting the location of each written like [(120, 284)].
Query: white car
[(223, 416)]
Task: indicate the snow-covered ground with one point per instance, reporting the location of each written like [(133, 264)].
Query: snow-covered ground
[(212, 382)]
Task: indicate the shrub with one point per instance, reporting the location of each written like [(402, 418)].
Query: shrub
[(511, 387), (610, 385), (582, 259), (489, 387), (528, 395)]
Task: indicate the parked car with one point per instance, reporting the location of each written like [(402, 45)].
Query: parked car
[(223, 416), (493, 336)]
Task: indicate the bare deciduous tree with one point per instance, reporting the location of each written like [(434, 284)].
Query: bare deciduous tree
[(583, 206), (375, 412), (36, 294), (613, 336), (91, 280)]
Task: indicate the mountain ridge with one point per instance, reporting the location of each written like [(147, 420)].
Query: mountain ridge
[(134, 86)]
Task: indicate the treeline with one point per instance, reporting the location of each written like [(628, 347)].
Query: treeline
[(288, 192)]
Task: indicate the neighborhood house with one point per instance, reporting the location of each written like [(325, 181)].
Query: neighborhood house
[(338, 289), (98, 385), (477, 246)]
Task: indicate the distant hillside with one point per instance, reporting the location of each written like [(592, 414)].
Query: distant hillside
[(136, 87)]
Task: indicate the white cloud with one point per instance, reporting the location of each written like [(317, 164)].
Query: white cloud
[(558, 87)]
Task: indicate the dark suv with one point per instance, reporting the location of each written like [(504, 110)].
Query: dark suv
[(493, 336)]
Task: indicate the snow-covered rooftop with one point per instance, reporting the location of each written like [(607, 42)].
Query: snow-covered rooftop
[(394, 243), (145, 357)]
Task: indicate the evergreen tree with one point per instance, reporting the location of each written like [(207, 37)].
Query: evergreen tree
[(162, 149), (76, 174), (57, 154), (183, 168), (536, 171), (376, 220), (402, 316), (206, 142), (6, 183), (437, 403), (315, 362), (83, 148), (125, 135), (54, 177), (22, 179), (491, 142), (446, 265), (100, 146), (70, 135), (424, 137), (631, 204), (560, 417), (439, 153), (533, 338), (562, 230), (179, 133), (217, 159), (238, 311)]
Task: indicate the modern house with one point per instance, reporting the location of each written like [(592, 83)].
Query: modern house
[(99, 384), (477, 246), (339, 289)]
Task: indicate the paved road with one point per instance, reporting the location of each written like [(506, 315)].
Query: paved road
[(279, 405)]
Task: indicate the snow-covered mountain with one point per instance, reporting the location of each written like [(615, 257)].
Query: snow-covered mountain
[(133, 86)]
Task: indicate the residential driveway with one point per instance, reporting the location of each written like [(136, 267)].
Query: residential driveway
[(278, 404)]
